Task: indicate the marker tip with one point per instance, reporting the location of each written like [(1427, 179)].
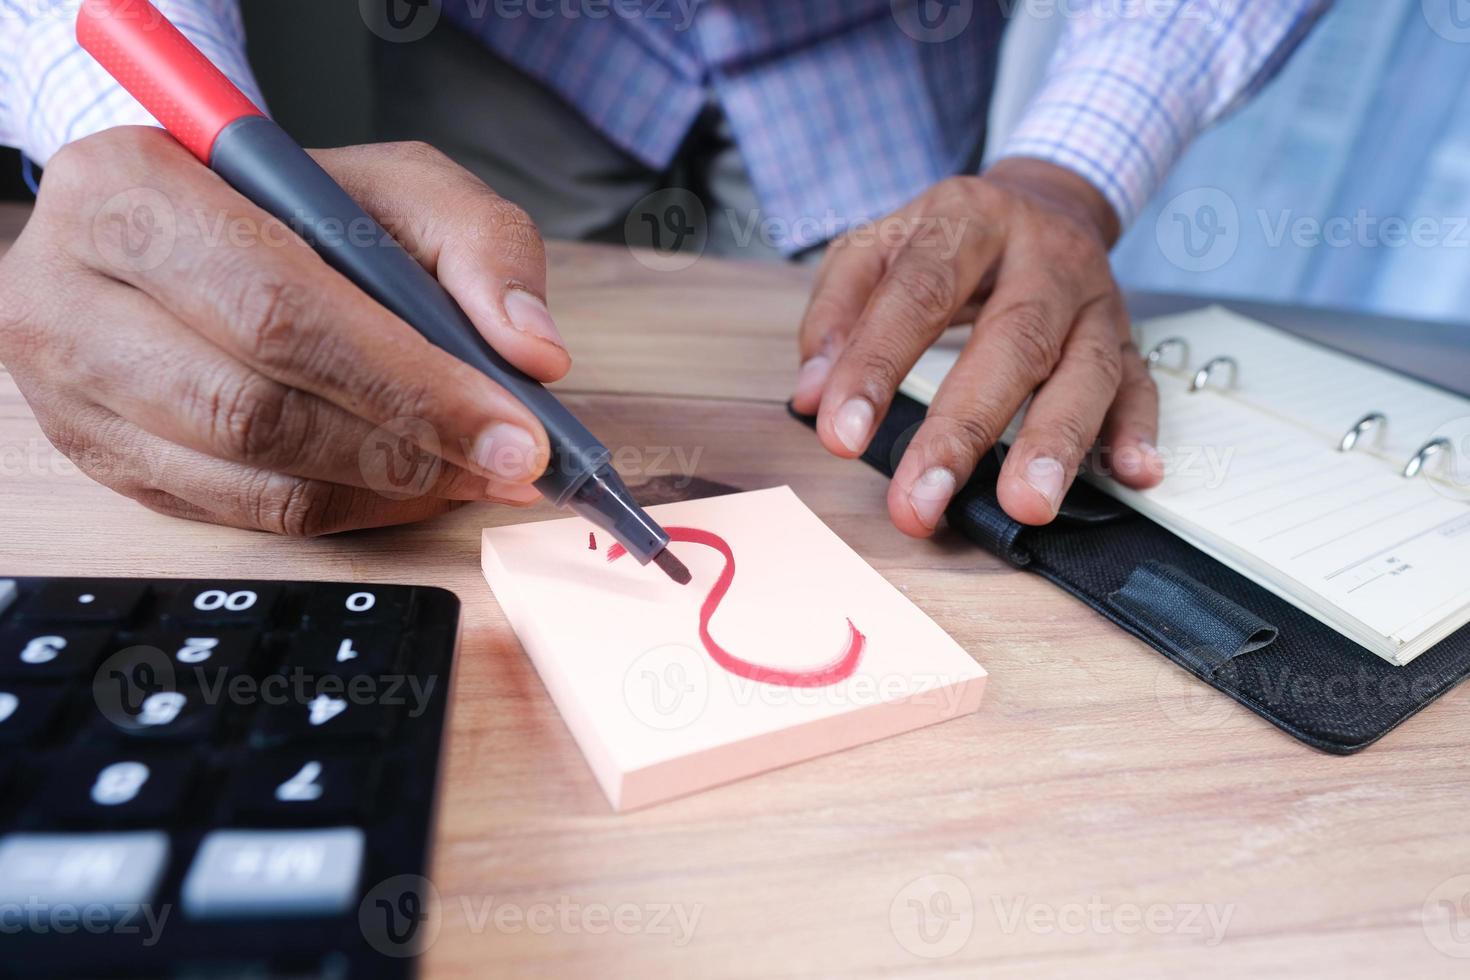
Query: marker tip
[(672, 567)]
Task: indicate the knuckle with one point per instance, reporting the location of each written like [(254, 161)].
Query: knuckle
[(824, 327), (165, 503), (19, 330), (511, 231), (986, 196), (418, 151), (1027, 330), (963, 436), (491, 230), (880, 359), (65, 194), (97, 450), (75, 157), (70, 172), (1103, 359), (269, 315), (76, 167), (824, 311), (929, 286), (395, 397), (158, 501), (964, 192), (249, 419), (63, 433), (1068, 438), (98, 163), (295, 508), (308, 510)]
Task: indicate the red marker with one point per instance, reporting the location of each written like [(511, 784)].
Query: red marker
[(216, 122)]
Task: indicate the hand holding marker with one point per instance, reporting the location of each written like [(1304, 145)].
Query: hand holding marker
[(215, 121)]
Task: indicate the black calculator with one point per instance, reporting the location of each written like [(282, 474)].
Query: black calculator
[(218, 778)]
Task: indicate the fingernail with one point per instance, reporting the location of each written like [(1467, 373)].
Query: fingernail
[(1150, 457), (811, 377), (506, 450), (853, 422), (1045, 476), (1138, 460), (931, 494), (529, 315), (516, 493), (1132, 460)]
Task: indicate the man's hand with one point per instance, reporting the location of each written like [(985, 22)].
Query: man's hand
[(1022, 253), (188, 350)]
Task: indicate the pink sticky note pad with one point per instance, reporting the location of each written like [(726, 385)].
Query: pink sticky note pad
[(809, 650)]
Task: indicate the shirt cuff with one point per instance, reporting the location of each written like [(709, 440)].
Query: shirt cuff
[(1122, 131), (56, 93)]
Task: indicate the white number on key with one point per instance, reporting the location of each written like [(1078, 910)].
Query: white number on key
[(345, 652), (361, 601), (119, 783), (212, 599), (42, 649), (302, 787), (161, 708), (322, 709), (197, 649)]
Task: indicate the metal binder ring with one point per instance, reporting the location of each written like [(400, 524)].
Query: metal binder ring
[(1364, 425), (1203, 375), (1163, 347), (1426, 452)]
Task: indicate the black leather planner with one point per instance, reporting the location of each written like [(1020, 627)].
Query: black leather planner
[(1239, 638)]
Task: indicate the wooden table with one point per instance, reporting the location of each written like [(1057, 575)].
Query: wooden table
[(1102, 813)]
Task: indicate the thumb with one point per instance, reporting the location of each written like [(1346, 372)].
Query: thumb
[(483, 249)]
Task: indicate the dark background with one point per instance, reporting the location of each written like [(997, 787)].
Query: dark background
[(312, 60)]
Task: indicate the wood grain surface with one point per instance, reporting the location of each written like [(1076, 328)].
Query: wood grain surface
[(1102, 815)]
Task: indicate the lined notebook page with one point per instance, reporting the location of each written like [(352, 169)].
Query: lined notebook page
[(1256, 480), (1321, 528)]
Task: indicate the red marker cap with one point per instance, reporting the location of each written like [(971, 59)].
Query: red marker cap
[(163, 70)]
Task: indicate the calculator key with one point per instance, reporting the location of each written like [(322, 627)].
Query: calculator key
[(167, 715), (328, 605), (301, 788), (223, 603), (49, 654), (9, 592), (343, 652), (84, 601), (117, 787), (27, 711), (76, 870), (125, 679), (201, 653), (330, 713), (249, 874)]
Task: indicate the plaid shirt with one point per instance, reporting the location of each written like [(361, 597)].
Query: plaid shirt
[(843, 109)]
